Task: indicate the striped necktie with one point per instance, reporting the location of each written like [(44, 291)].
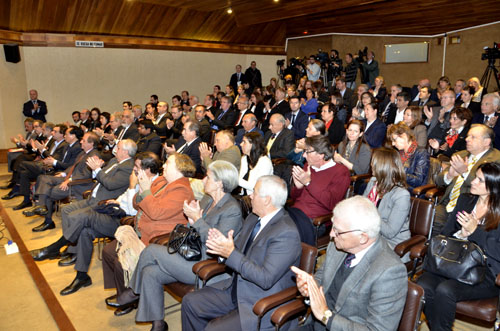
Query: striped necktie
[(455, 192)]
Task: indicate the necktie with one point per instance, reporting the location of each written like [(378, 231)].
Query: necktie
[(270, 144), (220, 115), (70, 172), (183, 147), (120, 136), (455, 192), (293, 119), (348, 260), (486, 118), (53, 149), (255, 230), (421, 103)]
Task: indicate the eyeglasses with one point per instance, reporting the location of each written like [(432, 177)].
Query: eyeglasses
[(309, 151), (337, 233)]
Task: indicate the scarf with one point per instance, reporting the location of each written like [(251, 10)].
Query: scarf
[(451, 137), (406, 155)]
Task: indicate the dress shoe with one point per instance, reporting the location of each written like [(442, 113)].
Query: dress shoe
[(159, 326), (111, 301), (30, 212), (22, 205), (8, 186), (127, 297), (41, 210), (65, 253), (67, 261), (43, 254), (44, 226), (11, 195), (75, 285), (125, 310)]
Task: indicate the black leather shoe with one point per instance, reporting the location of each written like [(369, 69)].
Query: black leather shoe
[(41, 210), (125, 310), (111, 301), (67, 261), (75, 285), (65, 253), (43, 254), (8, 186), (23, 205), (163, 326), (30, 212), (44, 226), (10, 195)]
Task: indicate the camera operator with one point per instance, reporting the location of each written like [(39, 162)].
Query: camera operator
[(350, 71), (334, 68), (371, 70), (313, 69)]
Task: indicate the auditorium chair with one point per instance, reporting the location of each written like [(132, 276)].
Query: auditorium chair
[(410, 319), (486, 310)]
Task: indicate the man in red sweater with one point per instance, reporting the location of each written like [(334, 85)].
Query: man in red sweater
[(322, 183)]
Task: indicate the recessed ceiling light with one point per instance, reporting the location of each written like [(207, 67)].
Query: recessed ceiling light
[(229, 10)]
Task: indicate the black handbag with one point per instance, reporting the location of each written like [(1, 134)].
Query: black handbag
[(111, 209), (185, 241), (456, 259)]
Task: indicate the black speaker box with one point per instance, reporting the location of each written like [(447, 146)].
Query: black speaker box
[(12, 53)]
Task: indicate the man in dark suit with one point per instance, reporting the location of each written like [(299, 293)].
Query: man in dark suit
[(80, 220), (149, 140), (70, 183), (424, 98), (364, 283), (438, 118), (490, 105), (243, 109), (174, 125), (237, 79), (34, 108), (85, 119), (280, 107), (348, 96), (459, 86), (296, 119), (260, 257), (200, 117), (130, 130), (224, 118), (253, 76), (249, 124), (188, 144), (375, 129), (161, 121), (279, 140), (396, 114), (29, 171)]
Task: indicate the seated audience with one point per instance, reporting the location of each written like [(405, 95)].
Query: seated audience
[(378, 90), (413, 118), (375, 129), (149, 141), (260, 258), (217, 210), (205, 129), (224, 118), (296, 119), (279, 139), (322, 182), (416, 162), (314, 128), (479, 90), (104, 119), (175, 124), (242, 109), (377, 300), (95, 116), (490, 107), (363, 98), (437, 121), (424, 98), (81, 223), (310, 103), (454, 141), (160, 120), (442, 85), (188, 144), (353, 152), (249, 123), (226, 150), (396, 114), (387, 190), (337, 100), (254, 163), (475, 218), (334, 127), (466, 97)]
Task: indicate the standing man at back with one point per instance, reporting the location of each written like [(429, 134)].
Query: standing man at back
[(34, 108)]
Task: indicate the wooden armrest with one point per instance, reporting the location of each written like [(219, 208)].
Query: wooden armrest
[(355, 178), (264, 305), (497, 281), (199, 265), (418, 251), (127, 220), (435, 192), (404, 247), (162, 239), (80, 181), (317, 221), (211, 270), (422, 189), (86, 194), (278, 160), (285, 312)]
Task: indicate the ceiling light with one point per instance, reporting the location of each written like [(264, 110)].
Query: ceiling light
[(229, 10), (276, 0)]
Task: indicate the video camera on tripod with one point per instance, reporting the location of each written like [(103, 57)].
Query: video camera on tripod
[(491, 54)]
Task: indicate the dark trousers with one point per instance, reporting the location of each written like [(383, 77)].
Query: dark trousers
[(112, 269), (210, 309), (28, 171), (81, 224), (442, 295)]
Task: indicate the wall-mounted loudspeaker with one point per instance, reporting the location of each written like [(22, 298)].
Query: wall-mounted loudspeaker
[(12, 53)]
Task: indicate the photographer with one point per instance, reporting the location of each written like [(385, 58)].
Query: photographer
[(334, 68), (350, 71)]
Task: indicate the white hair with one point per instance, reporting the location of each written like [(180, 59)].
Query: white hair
[(274, 187), (495, 98), (130, 146), (360, 214), (226, 173)]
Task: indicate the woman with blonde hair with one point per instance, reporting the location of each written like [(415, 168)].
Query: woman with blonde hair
[(378, 90), (387, 190)]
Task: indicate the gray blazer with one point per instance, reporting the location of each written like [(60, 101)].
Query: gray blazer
[(115, 182), (231, 155), (265, 269), (360, 161), (420, 132), (393, 209), (374, 294), (224, 216)]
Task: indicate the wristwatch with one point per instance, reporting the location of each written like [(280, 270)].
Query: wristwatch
[(326, 316)]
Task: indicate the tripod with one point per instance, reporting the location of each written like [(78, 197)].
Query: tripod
[(490, 70)]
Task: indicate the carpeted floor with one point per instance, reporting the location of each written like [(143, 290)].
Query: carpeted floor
[(23, 306)]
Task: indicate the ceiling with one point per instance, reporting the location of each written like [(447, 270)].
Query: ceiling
[(257, 22)]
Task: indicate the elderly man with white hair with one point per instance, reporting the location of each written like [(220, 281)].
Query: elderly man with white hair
[(260, 258), (489, 115), (362, 284)]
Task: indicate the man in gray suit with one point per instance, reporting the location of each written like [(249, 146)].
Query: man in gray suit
[(260, 257), (81, 223), (226, 150), (362, 284)]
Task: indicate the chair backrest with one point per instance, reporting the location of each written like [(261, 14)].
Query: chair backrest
[(245, 204), (308, 258), (434, 170), (421, 217), (413, 308)]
